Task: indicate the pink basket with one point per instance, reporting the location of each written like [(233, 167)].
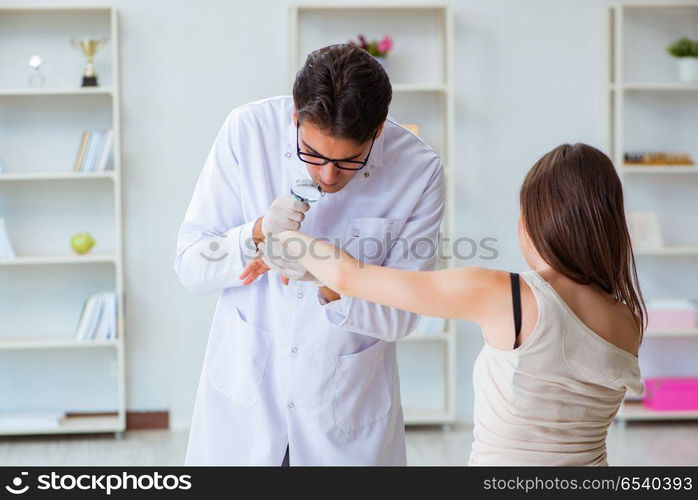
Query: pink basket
[(671, 394)]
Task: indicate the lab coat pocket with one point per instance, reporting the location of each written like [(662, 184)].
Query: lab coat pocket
[(369, 239), (362, 395), (238, 364)]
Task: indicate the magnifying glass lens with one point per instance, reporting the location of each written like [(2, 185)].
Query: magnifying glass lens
[(306, 191)]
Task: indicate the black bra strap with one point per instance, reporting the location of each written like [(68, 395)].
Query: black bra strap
[(516, 300)]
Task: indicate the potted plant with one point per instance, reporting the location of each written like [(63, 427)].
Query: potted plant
[(377, 48), (686, 50)]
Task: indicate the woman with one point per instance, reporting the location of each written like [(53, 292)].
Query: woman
[(560, 345)]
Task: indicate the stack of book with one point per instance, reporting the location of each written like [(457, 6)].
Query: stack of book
[(6, 250), (98, 318), (30, 420), (657, 158), (94, 150)]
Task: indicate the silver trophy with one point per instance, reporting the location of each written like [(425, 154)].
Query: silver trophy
[(36, 77)]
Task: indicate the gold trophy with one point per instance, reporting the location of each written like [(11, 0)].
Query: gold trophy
[(89, 48)]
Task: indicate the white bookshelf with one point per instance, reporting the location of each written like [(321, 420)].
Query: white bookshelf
[(649, 109), (44, 202), (673, 333), (669, 251), (67, 342), (60, 259), (659, 169), (420, 68), (54, 176), (56, 91), (636, 411)]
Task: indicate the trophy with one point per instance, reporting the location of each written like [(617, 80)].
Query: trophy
[(89, 47), (36, 78)]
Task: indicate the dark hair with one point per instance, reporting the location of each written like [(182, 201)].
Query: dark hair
[(572, 209), (343, 90)]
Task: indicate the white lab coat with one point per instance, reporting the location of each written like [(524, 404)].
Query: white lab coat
[(281, 368)]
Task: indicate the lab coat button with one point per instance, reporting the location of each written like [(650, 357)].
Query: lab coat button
[(291, 405), (287, 155), (300, 295), (294, 350)]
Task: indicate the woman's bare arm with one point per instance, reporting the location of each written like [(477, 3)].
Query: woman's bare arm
[(465, 293)]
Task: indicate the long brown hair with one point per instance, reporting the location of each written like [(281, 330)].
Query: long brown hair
[(572, 209)]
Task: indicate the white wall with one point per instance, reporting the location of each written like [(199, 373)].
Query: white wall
[(529, 75)]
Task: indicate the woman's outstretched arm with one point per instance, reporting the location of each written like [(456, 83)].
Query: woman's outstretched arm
[(465, 293)]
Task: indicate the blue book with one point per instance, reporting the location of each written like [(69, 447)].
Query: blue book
[(106, 150), (91, 147), (99, 141)]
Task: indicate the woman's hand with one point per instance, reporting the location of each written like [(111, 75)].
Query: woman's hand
[(321, 258), (253, 270), (296, 243)]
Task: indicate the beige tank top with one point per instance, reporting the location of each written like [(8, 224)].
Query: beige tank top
[(550, 401)]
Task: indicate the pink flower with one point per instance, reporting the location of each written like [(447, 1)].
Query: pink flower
[(385, 45), (363, 43)]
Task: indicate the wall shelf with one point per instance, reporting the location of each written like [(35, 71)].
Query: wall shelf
[(40, 132), (74, 424), (59, 260), (659, 169), (636, 411), (655, 87), (421, 67), (673, 250), (44, 91), (428, 417), (416, 87), (428, 337), (56, 176), (67, 342), (649, 112), (676, 333)]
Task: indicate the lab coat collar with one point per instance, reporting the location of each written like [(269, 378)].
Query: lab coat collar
[(375, 160)]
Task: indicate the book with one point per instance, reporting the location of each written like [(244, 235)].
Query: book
[(87, 151), (6, 250), (28, 420), (110, 316), (89, 318), (98, 318), (98, 150), (81, 150), (105, 152), (89, 161), (94, 150)]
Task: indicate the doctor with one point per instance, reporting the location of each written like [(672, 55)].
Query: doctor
[(295, 373)]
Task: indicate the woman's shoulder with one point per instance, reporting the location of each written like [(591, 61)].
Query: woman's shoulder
[(599, 312)]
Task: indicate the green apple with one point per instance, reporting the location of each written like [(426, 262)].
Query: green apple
[(82, 242)]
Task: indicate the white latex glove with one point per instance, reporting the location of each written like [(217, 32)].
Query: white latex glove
[(286, 213), (273, 255)]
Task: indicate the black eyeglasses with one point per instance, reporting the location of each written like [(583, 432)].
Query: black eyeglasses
[(316, 159)]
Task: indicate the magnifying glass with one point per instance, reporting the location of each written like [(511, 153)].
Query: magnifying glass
[(306, 190)]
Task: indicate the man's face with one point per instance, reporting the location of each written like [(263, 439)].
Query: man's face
[(330, 178)]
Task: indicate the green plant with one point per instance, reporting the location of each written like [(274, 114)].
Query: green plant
[(684, 47)]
